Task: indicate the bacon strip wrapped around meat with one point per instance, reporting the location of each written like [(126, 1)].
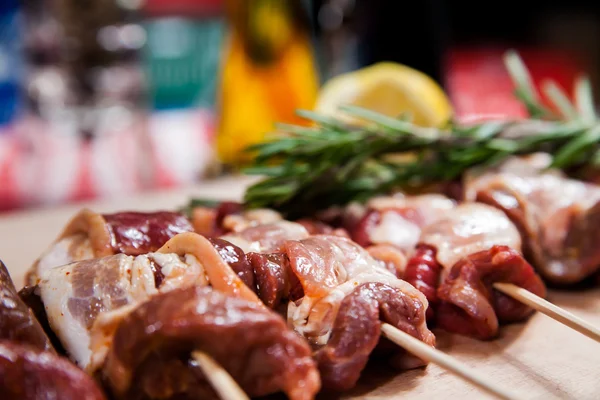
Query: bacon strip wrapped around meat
[(398, 219), (336, 294), (87, 302), (474, 246), (90, 235), (558, 217), (389, 227), (266, 238), (347, 294)]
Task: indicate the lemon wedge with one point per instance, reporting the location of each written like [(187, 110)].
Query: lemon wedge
[(389, 88)]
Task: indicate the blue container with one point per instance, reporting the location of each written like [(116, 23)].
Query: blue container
[(11, 60)]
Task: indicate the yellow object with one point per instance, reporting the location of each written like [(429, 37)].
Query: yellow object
[(268, 73), (388, 88)]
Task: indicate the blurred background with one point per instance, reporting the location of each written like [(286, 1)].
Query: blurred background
[(103, 98)]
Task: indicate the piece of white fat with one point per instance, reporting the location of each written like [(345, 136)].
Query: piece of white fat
[(467, 229), (396, 230), (75, 294), (63, 252)]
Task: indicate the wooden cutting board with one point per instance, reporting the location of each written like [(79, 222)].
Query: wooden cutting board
[(541, 359)]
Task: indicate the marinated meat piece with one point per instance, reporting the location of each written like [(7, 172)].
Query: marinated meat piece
[(150, 354), (556, 216), (475, 245), (90, 235), (266, 238), (469, 304), (269, 275), (356, 331), (423, 272), (85, 300), (235, 257), (75, 294), (135, 233), (398, 220), (275, 279), (329, 269), (17, 322), (27, 373), (467, 229)]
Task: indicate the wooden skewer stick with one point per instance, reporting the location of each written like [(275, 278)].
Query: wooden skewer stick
[(221, 381), (551, 310), (430, 354)]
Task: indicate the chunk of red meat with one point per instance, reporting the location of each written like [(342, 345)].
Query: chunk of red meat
[(468, 303), (357, 327), (150, 354), (236, 258), (275, 280), (27, 373), (135, 233), (423, 272)]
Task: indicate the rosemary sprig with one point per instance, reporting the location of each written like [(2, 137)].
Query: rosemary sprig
[(307, 169)]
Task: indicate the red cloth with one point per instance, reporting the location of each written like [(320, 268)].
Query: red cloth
[(480, 88)]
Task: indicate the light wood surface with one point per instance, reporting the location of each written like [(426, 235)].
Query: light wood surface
[(552, 310), (449, 363), (541, 359)]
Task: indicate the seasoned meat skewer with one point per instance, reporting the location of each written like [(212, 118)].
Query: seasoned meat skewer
[(459, 257), (456, 249), (88, 301), (29, 367), (335, 293), (558, 217)]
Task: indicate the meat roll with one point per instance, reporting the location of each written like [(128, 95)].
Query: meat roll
[(558, 217), (89, 302), (17, 322), (90, 235), (150, 354), (28, 373), (347, 294), (462, 255), (85, 300), (336, 296)]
